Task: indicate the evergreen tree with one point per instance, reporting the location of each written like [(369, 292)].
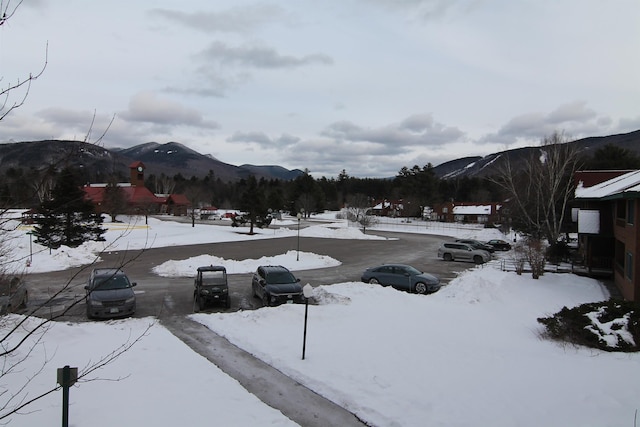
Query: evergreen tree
[(67, 218), (252, 202)]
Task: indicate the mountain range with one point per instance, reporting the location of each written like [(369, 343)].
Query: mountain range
[(174, 158)]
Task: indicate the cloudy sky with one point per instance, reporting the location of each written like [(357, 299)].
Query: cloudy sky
[(368, 86)]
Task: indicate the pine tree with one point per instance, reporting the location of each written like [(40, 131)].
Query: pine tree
[(67, 218)]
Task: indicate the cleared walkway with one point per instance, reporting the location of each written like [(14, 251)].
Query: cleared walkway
[(294, 400)]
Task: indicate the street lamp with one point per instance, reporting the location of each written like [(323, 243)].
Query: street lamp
[(307, 290), (299, 218), (30, 233)]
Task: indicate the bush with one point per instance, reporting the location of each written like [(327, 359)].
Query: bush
[(608, 325)]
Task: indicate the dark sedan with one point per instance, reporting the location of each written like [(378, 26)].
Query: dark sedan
[(402, 277), (477, 244), (499, 245)]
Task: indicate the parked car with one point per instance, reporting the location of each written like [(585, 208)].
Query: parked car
[(211, 287), (456, 251), (13, 295), (109, 294), (275, 284), (402, 277), (500, 245), (478, 244)]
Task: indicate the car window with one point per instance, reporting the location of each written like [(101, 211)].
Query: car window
[(110, 283), (384, 269), (411, 270), (212, 277), (280, 277)]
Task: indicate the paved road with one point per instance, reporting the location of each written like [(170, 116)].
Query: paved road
[(170, 299)]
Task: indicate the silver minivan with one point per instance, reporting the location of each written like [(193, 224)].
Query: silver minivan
[(455, 251), (109, 294)]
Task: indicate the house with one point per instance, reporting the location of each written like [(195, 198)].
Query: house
[(385, 207), (467, 212), (139, 199), (608, 232)]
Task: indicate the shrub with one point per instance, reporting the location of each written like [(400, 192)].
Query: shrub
[(608, 325)]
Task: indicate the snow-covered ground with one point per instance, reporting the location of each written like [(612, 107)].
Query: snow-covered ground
[(468, 355)]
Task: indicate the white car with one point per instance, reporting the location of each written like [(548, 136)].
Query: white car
[(455, 251)]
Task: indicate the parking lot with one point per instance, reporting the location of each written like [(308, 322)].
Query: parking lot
[(162, 296)]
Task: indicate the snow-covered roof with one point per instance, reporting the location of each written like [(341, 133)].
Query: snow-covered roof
[(472, 210), (626, 183)]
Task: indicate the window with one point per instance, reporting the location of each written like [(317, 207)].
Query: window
[(619, 255), (620, 209), (628, 267), (630, 211)]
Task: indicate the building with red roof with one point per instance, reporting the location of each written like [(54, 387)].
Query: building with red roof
[(139, 198)]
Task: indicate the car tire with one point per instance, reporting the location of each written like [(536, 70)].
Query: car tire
[(227, 303), (25, 300), (201, 303), (447, 257), (374, 281), (478, 259), (265, 300), (195, 302), (421, 288)]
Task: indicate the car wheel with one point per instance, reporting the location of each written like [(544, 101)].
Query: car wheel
[(195, 302), (265, 300), (201, 303), (421, 288), (227, 303), (447, 257), (374, 281), (478, 259), (25, 300)]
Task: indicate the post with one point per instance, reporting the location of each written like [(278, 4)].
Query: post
[(307, 290), (66, 378), (298, 248)]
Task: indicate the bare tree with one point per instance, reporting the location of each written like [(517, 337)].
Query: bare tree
[(14, 94), (539, 190), (21, 336), (359, 211)]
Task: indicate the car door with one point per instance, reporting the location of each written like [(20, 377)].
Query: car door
[(256, 282), (464, 252), (385, 275), (401, 278)]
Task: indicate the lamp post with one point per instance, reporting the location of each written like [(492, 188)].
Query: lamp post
[(30, 233), (298, 249), (307, 290)]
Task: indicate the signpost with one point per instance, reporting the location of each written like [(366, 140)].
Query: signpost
[(66, 378)]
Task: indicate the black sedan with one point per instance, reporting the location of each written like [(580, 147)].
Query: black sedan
[(499, 245), (477, 244), (402, 277)]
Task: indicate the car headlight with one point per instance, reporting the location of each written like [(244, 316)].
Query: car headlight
[(95, 303), (130, 300)]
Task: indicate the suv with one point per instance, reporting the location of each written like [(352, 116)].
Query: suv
[(109, 294), (274, 284), (210, 287), (455, 251)]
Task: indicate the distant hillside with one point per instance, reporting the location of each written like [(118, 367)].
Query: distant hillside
[(99, 163), (488, 165), (173, 158)]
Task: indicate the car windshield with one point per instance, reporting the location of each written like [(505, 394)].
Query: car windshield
[(213, 277), (109, 283), (412, 270), (280, 277)]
